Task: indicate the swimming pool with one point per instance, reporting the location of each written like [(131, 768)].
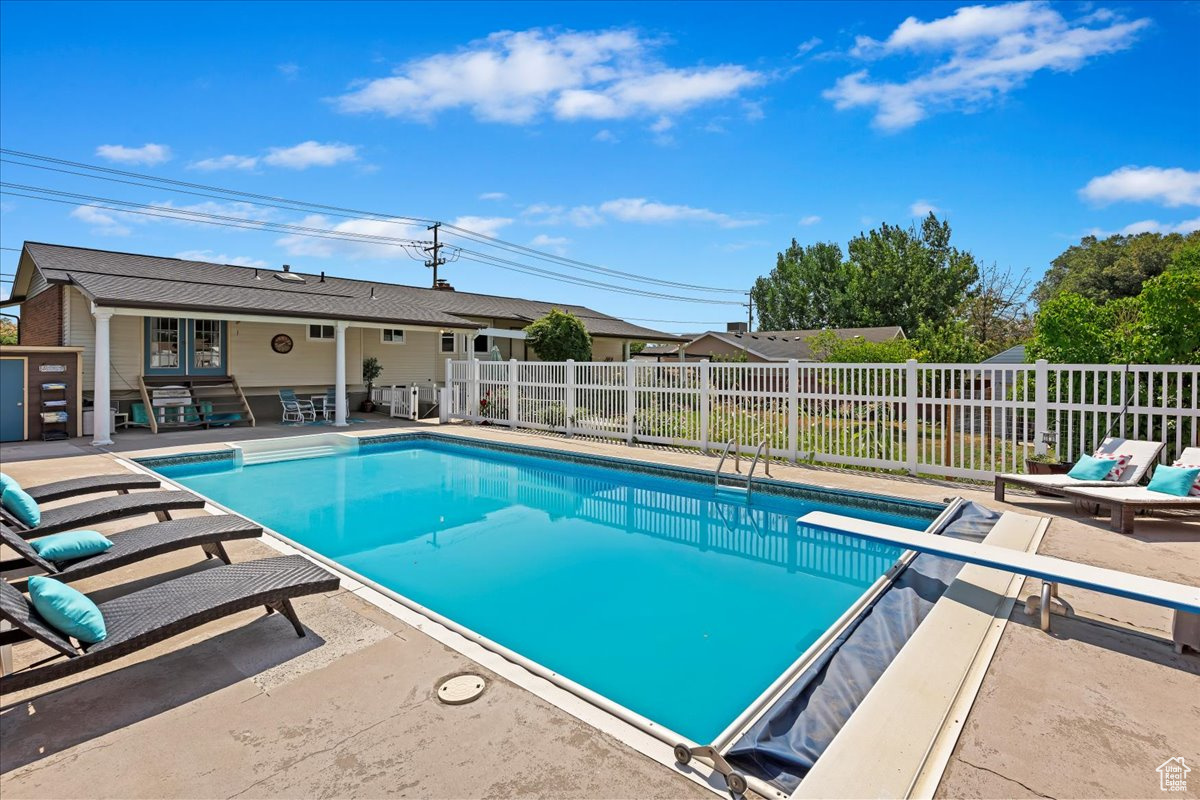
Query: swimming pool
[(674, 599)]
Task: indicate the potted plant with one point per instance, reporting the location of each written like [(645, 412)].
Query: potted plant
[(371, 371), (1046, 464)]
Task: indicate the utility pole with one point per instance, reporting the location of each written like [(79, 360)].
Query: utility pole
[(750, 313), (435, 261)]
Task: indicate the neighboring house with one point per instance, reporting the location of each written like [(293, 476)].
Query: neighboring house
[(1013, 355), (774, 346), (149, 320)]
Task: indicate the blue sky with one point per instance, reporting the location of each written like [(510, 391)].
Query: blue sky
[(687, 142)]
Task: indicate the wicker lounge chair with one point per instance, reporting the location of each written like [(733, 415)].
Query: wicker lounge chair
[(104, 509), (151, 615), (208, 532), (75, 487), (1123, 502), (1142, 455)]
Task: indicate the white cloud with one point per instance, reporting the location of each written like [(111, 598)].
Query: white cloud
[(1150, 226), (639, 209), (1169, 187), (984, 53), (488, 226), (811, 219), (102, 221), (517, 77), (807, 46), (493, 196), (220, 258), (606, 135), (923, 208), (298, 245), (290, 70), (662, 125), (555, 244), (225, 162), (148, 154), (310, 154)]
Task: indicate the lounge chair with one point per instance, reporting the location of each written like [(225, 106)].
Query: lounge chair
[(295, 409), (208, 532), (104, 509), (148, 616), (1142, 455), (75, 487), (1124, 502)]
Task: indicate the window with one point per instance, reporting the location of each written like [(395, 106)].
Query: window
[(164, 343), (448, 343), (481, 344), (321, 333), (206, 344), (391, 336)]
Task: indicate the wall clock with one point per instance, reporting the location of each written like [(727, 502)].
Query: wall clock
[(281, 343)]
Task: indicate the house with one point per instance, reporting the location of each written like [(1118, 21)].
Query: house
[(146, 323), (774, 346), (1013, 355)]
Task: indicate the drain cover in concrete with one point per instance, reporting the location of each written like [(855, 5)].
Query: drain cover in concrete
[(460, 689)]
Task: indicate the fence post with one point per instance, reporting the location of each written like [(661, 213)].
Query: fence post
[(705, 384), (569, 398), (514, 390), (630, 401), (443, 405), (910, 415), (1041, 404), (793, 409), (414, 403), (473, 391)]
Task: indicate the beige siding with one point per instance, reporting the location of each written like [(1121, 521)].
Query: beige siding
[(37, 284), (415, 361), (707, 346), (125, 336), (608, 349), (309, 366)]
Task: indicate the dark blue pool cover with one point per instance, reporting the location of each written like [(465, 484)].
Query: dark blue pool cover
[(786, 741)]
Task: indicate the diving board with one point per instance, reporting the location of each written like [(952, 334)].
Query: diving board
[(1051, 571)]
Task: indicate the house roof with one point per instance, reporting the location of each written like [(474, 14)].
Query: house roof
[(130, 280), (1013, 355), (784, 345)]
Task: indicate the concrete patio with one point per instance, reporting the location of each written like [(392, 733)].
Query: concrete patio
[(242, 708)]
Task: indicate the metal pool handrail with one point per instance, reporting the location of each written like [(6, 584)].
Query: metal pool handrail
[(737, 463), (754, 463)]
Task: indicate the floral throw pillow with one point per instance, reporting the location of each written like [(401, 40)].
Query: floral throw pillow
[(1195, 492), (1120, 462)]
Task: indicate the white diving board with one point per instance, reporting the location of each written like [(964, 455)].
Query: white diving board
[(1050, 570)]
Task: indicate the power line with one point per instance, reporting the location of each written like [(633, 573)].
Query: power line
[(350, 213), (220, 220)]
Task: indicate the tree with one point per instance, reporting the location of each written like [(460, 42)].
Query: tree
[(1070, 329), (1169, 324), (996, 311), (559, 336), (949, 343), (828, 346), (807, 289), (1113, 267), (8, 332)]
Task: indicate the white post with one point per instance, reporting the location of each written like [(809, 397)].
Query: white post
[(514, 390), (414, 403), (569, 398), (339, 379), (793, 407), (630, 401), (474, 391), (1041, 404), (705, 385), (625, 351), (910, 415), (101, 395), (443, 405)]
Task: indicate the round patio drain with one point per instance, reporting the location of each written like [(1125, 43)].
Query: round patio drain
[(461, 689)]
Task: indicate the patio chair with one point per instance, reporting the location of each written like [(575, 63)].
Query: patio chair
[(209, 532), (328, 407), (1142, 455), (104, 509), (148, 616), (1123, 502), (295, 409), (75, 487)]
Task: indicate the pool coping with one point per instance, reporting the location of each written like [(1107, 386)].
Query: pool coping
[(619, 722)]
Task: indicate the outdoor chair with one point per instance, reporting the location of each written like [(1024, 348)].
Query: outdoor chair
[(1142, 455), (328, 407), (1123, 502), (104, 509), (295, 409), (75, 487), (148, 616), (209, 532)]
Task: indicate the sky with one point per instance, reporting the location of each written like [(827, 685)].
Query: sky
[(686, 143)]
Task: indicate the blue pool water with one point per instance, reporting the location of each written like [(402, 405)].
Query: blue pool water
[(677, 601)]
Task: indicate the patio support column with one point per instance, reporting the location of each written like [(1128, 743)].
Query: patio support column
[(339, 417), (102, 396)]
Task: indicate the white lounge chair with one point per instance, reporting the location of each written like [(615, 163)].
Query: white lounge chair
[(1124, 502), (1142, 454), (1184, 600), (295, 409)]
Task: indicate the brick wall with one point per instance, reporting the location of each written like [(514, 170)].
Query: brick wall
[(42, 318)]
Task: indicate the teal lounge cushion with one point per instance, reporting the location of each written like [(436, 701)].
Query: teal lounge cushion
[(7, 482), (1173, 480), (70, 546), (66, 609), (17, 502), (1090, 468)]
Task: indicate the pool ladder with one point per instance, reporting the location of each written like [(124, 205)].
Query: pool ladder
[(737, 465)]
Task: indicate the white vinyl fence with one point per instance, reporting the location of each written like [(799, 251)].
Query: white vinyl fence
[(959, 420), (405, 402)]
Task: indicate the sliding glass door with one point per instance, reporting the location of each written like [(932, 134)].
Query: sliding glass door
[(176, 346)]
